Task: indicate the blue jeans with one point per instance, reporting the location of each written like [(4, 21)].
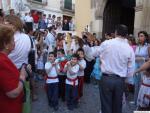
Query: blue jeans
[(71, 95), (52, 94)]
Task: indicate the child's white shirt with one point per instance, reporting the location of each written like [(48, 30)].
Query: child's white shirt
[(75, 70), (83, 64), (51, 73)]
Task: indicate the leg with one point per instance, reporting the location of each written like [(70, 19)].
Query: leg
[(75, 96), (137, 87), (106, 90), (118, 94), (55, 96), (68, 96), (49, 94), (80, 87)]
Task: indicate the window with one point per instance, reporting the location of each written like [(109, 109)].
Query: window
[(38, 0), (68, 4)]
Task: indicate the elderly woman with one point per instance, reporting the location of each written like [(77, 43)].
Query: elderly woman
[(11, 80)]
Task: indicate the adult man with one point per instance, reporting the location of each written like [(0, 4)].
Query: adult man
[(117, 62), (50, 39)]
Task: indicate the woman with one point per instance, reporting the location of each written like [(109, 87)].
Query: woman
[(21, 51), (141, 55), (11, 81)]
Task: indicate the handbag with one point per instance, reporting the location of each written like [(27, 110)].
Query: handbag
[(31, 56)]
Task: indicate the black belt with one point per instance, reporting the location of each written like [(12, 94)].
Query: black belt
[(111, 75)]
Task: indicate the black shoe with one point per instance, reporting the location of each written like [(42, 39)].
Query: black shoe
[(56, 108), (76, 106), (70, 107)]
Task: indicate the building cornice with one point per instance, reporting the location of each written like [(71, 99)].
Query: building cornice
[(138, 8)]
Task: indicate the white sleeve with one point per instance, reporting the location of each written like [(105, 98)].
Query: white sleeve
[(47, 67), (131, 65), (75, 69), (96, 50), (83, 64)]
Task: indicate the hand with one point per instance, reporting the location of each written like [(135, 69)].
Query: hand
[(23, 73), (54, 64), (147, 96)]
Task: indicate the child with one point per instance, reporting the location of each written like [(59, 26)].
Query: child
[(61, 75), (40, 63), (82, 65), (96, 73), (72, 69), (52, 69), (143, 100)]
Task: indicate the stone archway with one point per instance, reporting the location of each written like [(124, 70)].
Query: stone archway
[(116, 12)]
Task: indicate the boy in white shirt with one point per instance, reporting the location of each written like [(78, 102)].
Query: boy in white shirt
[(52, 70), (72, 69), (82, 65)]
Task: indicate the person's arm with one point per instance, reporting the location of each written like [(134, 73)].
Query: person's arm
[(145, 66), (73, 71), (82, 66), (48, 67), (16, 92), (57, 67)]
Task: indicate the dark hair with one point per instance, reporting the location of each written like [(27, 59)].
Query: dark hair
[(61, 50), (80, 49), (143, 32), (75, 56), (50, 28), (121, 30), (52, 53), (1, 13), (132, 39), (59, 36)]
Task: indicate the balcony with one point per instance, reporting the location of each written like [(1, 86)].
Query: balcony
[(67, 5), (40, 2)]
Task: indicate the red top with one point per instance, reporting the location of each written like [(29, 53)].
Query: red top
[(35, 18), (9, 79)]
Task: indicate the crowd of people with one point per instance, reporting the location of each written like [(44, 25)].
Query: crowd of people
[(65, 62), (41, 21)]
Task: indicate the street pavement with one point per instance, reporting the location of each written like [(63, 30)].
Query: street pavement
[(89, 103)]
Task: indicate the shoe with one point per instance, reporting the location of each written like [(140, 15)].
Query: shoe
[(70, 107), (132, 103), (56, 108), (76, 106), (34, 97)]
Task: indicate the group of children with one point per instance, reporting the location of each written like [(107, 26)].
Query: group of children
[(65, 78)]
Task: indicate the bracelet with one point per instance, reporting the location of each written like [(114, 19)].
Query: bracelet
[(21, 81)]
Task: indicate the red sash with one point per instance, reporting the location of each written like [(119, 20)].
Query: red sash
[(147, 85), (72, 80), (52, 77)]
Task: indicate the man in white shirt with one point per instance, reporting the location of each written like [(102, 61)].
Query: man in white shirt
[(50, 39), (117, 62), (28, 19)]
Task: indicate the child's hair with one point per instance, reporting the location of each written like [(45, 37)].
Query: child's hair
[(52, 53), (75, 56), (80, 49), (61, 50), (148, 70)]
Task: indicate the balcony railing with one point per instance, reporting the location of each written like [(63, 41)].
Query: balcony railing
[(67, 7), (40, 2)]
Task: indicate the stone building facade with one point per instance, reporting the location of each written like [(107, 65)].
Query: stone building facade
[(107, 13)]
